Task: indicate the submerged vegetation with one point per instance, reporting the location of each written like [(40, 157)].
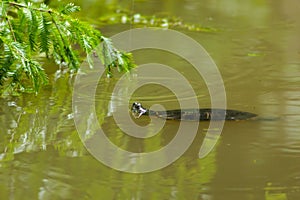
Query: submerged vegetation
[(29, 31), (137, 19)]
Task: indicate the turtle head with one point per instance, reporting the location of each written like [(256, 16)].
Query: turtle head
[(138, 110)]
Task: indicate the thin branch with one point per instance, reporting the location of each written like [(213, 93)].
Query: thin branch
[(25, 6), (11, 29), (54, 22)]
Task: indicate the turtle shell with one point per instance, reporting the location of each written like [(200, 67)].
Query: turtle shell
[(202, 114)]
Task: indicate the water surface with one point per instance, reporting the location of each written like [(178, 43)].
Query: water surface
[(256, 49)]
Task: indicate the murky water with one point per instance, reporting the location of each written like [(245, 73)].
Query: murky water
[(258, 54)]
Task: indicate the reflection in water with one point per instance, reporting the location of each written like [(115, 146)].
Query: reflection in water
[(42, 157)]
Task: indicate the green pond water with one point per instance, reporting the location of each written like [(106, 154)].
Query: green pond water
[(257, 51)]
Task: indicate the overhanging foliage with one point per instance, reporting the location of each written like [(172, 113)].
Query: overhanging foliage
[(30, 30)]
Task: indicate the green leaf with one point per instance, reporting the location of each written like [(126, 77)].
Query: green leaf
[(44, 28), (70, 8)]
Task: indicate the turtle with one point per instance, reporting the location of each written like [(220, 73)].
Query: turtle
[(202, 114)]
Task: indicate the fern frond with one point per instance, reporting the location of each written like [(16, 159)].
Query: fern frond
[(3, 9), (69, 8), (44, 32), (36, 73), (33, 31), (108, 52), (18, 50), (111, 57)]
